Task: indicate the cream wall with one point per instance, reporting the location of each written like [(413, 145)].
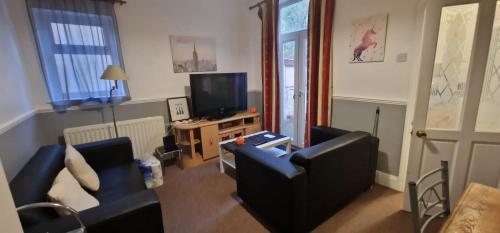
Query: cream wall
[(145, 27), (15, 101), (15, 95), (388, 80)]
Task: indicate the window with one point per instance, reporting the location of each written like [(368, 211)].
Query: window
[(294, 16), (75, 48)]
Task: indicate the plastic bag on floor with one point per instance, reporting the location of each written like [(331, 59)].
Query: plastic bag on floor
[(151, 168)]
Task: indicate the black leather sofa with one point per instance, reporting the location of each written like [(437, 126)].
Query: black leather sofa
[(125, 205), (297, 192)]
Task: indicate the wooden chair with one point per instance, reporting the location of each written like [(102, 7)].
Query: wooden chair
[(420, 208)]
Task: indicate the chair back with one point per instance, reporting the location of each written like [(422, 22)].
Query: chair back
[(421, 207)]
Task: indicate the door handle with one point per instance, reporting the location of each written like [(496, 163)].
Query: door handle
[(421, 133)]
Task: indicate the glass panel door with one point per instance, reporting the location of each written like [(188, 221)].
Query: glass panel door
[(293, 22), (451, 66), (488, 118), (287, 90)]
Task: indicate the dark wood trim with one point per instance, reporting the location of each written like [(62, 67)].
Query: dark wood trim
[(121, 2)]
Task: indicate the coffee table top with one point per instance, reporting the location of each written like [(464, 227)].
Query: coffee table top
[(263, 139)]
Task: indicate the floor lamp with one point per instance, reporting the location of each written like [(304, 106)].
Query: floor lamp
[(114, 73)]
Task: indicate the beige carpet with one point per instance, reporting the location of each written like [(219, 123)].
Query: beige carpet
[(202, 199)]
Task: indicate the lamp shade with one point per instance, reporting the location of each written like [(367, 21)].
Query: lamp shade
[(114, 72)]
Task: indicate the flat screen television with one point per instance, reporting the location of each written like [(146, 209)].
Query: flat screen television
[(218, 95)]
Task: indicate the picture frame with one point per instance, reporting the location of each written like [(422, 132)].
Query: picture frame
[(193, 53), (178, 108), (368, 39)]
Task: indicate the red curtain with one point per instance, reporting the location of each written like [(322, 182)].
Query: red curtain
[(270, 76), (319, 62)]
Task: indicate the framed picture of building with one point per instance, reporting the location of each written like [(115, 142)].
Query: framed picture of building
[(193, 54), (178, 109)]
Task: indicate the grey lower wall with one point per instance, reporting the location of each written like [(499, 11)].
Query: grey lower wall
[(359, 115), (53, 124), (19, 143)]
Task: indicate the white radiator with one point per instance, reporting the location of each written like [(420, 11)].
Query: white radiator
[(146, 134)]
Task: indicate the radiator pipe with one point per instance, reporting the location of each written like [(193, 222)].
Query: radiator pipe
[(375, 124)]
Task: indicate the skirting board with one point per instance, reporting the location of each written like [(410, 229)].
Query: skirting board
[(390, 181), (371, 100)]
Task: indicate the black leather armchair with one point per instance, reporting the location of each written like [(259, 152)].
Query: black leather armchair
[(298, 192), (125, 205)]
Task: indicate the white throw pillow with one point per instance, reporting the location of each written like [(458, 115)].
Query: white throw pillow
[(67, 191), (80, 169)]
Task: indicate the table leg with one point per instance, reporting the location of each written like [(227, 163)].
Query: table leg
[(289, 147), (221, 164), (191, 140)]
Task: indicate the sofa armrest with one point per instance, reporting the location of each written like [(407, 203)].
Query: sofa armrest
[(107, 153), (272, 187), (138, 212), (320, 134), (343, 163)]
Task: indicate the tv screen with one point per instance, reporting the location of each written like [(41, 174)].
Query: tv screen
[(216, 94)]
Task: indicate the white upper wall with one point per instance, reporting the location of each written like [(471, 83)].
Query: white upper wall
[(15, 96), (145, 27), (386, 80)]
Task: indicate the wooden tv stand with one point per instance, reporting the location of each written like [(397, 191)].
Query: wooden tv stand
[(200, 139)]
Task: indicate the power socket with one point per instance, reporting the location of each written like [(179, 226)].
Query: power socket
[(402, 57)]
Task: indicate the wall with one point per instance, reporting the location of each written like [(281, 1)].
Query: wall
[(144, 29), (15, 100), (360, 115), (359, 88), (386, 80), (9, 221)]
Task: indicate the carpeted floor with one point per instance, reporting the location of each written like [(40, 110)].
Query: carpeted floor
[(202, 199)]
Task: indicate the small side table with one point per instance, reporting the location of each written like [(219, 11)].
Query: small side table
[(163, 156)]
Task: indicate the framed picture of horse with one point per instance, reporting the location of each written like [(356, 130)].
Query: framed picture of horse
[(367, 41)]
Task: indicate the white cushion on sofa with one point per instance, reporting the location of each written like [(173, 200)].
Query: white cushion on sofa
[(67, 191), (80, 169)]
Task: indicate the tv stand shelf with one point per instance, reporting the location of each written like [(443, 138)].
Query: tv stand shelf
[(201, 139)]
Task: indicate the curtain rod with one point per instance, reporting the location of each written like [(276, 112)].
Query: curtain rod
[(257, 5), (121, 2)]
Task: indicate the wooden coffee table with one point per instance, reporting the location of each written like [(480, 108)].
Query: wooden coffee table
[(269, 146)]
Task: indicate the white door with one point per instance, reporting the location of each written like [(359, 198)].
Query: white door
[(293, 68), (457, 115)]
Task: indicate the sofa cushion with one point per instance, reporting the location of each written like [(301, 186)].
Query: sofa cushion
[(67, 191), (80, 169), (118, 182)]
